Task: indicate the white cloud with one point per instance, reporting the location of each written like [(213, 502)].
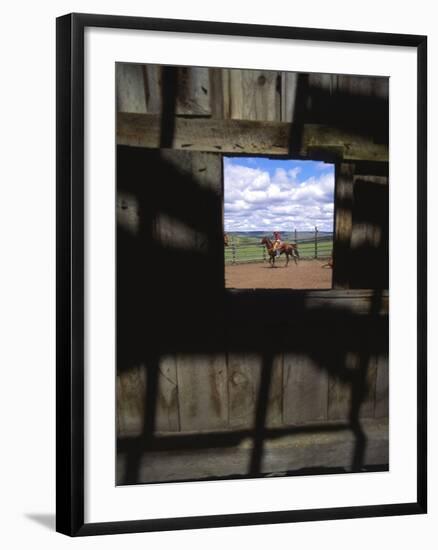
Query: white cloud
[(254, 199)]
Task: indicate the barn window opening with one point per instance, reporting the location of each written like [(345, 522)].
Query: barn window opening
[(278, 223)]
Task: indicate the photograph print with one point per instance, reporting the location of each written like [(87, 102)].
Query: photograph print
[(252, 264)]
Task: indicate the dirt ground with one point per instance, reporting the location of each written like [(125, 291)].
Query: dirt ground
[(307, 274)]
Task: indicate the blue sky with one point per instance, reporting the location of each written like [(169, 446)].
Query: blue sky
[(262, 194)]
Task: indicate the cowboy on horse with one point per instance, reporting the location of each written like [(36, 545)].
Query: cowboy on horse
[(289, 250), (277, 243)]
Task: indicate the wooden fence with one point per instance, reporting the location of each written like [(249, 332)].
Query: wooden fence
[(315, 247)]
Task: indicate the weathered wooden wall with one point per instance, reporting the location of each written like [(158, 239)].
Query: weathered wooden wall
[(202, 368), (207, 107), (219, 392), (241, 94)]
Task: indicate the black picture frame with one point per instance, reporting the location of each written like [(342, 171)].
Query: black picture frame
[(70, 273)]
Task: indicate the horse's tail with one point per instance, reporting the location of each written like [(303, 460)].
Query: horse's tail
[(296, 251)]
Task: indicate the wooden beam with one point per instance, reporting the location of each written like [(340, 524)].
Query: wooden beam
[(244, 136), (343, 224)]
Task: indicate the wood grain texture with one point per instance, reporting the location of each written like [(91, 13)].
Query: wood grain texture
[(131, 390), (207, 171), (305, 390), (254, 95), (291, 452), (194, 91), (170, 231), (153, 88), (245, 136), (358, 301), (288, 95), (360, 85), (326, 82), (217, 83), (130, 88), (203, 392), (204, 170), (368, 231), (128, 212), (167, 419), (131, 399), (344, 193), (341, 388), (382, 387), (339, 397), (244, 370)]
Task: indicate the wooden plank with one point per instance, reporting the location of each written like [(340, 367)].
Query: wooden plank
[(167, 419), (131, 387), (224, 455), (170, 231), (131, 399), (378, 180), (370, 233), (141, 89), (205, 170), (235, 95), (194, 91), (288, 95), (207, 173), (254, 95), (364, 86), (358, 302), (357, 305), (153, 88), (244, 371), (349, 101), (179, 159), (382, 387), (369, 403), (128, 212), (217, 78), (130, 86), (202, 392), (245, 136), (226, 93), (350, 86), (341, 390), (339, 396), (353, 294), (173, 233), (305, 393), (326, 82), (344, 191)]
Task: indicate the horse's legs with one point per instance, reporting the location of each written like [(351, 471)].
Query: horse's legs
[(287, 259)]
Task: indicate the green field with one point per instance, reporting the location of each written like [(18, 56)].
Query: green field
[(247, 248)]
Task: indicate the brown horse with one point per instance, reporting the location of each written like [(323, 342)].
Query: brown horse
[(285, 248), (225, 239)]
